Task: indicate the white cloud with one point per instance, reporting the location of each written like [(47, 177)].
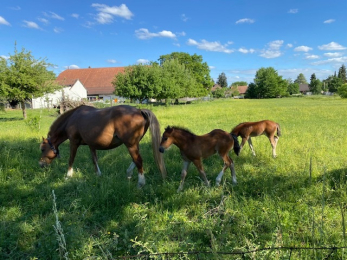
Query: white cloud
[(43, 20), (184, 18), (333, 54), (210, 46), (3, 21), (145, 34), (107, 13), (244, 50), (71, 67), (5, 57), (53, 16), (329, 21), (142, 61), (293, 11), (16, 8), (289, 45), (303, 48), (75, 16), (311, 57), (111, 61), (58, 30), (333, 46), (212, 67), (31, 25), (273, 50), (245, 20), (338, 60)]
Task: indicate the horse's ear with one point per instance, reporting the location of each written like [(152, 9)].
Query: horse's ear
[(169, 129)]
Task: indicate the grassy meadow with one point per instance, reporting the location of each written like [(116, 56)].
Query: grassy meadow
[(298, 199)]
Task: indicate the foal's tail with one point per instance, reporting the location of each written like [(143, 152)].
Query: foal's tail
[(278, 130), (155, 134), (237, 147)]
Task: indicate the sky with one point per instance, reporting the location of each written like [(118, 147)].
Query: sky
[(235, 37)]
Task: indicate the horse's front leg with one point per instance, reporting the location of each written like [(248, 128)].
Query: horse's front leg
[(226, 160), (251, 145), (95, 160), (73, 151), (183, 174), (135, 155)]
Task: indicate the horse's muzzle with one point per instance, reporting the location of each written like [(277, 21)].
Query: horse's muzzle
[(161, 149)]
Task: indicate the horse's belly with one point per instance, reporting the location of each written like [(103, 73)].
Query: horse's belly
[(106, 143)]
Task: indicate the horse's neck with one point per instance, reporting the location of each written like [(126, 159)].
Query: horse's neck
[(183, 138), (57, 138)]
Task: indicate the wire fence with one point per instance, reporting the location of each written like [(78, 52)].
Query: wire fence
[(289, 253)]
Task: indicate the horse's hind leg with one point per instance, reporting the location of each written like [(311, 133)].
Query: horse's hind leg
[(135, 155), (273, 141), (95, 160), (226, 160), (251, 145), (183, 174)]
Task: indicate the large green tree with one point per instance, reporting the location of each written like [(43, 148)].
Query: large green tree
[(195, 64), (342, 91), (301, 79), (138, 82), (24, 77), (171, 80), (269, 84), (334, 83), (239, 83), (222, 80)]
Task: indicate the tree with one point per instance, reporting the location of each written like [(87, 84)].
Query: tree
[(269, 84), (222, 80), (342, 74), (301, 79), (342, 91), (138, 82), (293, 88), (169, 81), (251, 91), (315, 84), (334, 84), (24, 77), (194, 64), (239, 83)]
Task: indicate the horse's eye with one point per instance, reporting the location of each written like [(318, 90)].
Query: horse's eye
[(165, 138)]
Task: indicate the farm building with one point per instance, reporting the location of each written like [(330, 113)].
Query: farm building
[(72, 90), (97, 81), (304, 89)]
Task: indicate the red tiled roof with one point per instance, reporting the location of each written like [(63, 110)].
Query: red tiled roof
[(242, 89), (95, 80), (215, 87)]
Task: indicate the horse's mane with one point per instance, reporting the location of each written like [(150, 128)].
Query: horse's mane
[(183, 129), (58, 124)]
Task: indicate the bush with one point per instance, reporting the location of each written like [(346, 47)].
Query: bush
[(342, 91), (219, 93)]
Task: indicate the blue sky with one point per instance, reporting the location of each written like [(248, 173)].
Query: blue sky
[(236, 37)]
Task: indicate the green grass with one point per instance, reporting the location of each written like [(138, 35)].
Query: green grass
[(298, 199)]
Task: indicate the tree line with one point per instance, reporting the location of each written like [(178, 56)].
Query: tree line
[(171, 77)]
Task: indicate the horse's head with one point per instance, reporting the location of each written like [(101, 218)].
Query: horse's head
[(48, 152), (166, 140)]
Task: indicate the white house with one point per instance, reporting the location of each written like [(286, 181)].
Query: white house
[(72, 91)]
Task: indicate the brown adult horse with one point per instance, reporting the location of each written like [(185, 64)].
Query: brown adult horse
[(252, 129), (103, 129), (194, 148)]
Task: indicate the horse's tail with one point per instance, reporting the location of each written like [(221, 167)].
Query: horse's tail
[(237, 147), (156, 135), (278, 130)]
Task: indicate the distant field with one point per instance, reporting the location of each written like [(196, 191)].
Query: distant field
[(298, 199)]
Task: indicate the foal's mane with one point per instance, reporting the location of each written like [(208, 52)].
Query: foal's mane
[(59, 123), (183, 129)]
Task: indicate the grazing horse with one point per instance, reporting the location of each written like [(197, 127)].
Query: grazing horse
[(103, 129), (251, 129), (194, 148)]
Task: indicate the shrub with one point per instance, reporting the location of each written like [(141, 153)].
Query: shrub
[(342, 91)]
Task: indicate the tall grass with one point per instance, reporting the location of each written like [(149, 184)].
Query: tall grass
[(298, 199)]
